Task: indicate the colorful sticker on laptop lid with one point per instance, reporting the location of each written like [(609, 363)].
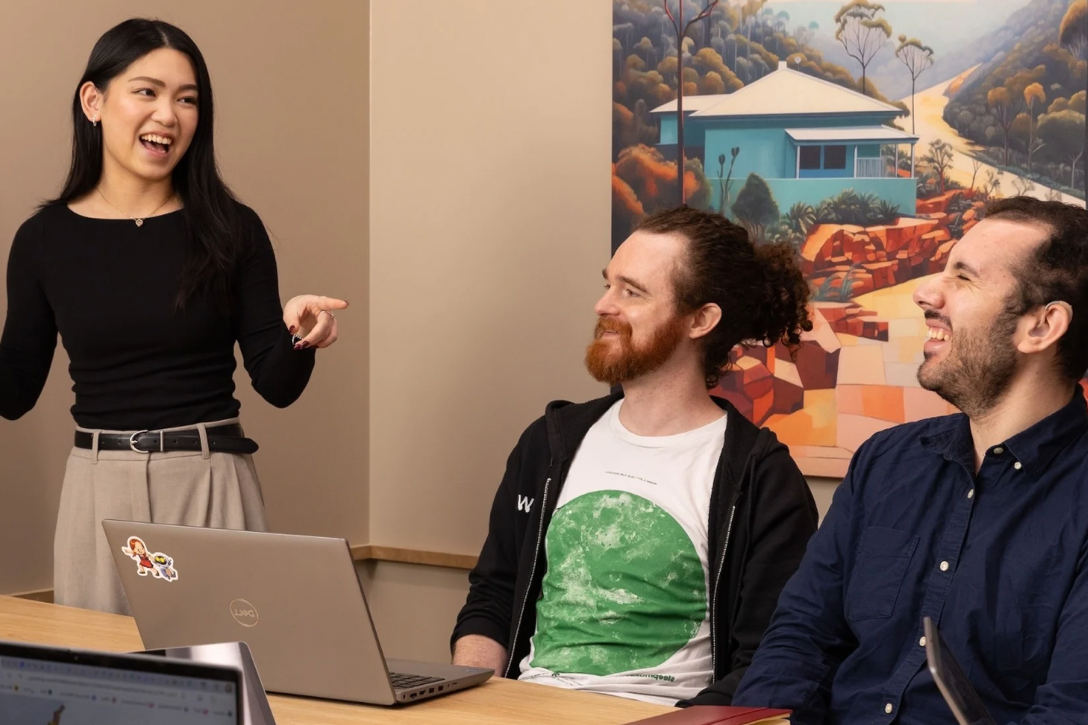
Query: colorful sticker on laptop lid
[(157, 565)]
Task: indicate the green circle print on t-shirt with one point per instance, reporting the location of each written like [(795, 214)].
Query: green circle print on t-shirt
[(625, 589)]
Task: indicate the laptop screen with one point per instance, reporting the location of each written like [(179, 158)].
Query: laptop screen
[(53, 686)]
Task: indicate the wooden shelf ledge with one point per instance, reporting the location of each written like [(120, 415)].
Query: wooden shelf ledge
[(371, 552), (37, 595), (363, 552)]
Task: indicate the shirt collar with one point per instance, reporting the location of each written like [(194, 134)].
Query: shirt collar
[(952, 440), (1034, 447)]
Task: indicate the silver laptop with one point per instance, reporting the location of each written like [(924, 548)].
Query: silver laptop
[(295, 600), (54, 686), (958, 692), (255, 707)]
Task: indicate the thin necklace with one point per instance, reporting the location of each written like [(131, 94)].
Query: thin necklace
[(139, 220)]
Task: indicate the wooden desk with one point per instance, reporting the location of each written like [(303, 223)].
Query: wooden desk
[(496, 701)]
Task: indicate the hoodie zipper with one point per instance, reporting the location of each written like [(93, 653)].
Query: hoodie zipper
[(714, 592), (532, 575)]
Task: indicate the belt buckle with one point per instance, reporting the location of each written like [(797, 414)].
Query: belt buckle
[(132, 442)]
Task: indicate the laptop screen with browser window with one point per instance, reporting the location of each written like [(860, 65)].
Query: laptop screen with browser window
[(54, 686)]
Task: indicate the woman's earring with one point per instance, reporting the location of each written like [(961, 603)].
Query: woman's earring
[(95, 121)]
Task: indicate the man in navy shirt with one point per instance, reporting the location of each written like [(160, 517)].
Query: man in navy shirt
[(978, 520)]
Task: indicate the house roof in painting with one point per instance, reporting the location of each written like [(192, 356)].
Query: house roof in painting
[(873, 134), (785, 92), (692, 103)]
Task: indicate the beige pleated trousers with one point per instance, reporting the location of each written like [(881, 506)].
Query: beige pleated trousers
[(198, 488)]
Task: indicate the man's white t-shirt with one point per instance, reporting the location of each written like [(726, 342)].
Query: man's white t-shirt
[(624, 606)]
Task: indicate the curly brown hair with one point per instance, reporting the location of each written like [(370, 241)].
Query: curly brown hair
[(760, 289)]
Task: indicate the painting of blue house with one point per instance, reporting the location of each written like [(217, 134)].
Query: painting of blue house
[(808, 138), (795, 121)]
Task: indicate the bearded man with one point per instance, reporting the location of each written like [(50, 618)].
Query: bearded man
[(978, 521), (638, 543)]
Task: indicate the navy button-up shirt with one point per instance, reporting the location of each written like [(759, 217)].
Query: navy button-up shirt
[(998, 559)]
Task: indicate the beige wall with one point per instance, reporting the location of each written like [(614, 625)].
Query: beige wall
[(490, 219), (822, 490), (292, 93), (414, 607), (490, 222)]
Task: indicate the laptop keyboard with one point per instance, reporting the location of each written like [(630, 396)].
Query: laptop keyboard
[(404, 681)]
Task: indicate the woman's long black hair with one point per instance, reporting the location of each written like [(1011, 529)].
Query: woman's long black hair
[(210, 211)]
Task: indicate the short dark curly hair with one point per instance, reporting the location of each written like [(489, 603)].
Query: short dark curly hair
[(760, 289), (1058, 270)]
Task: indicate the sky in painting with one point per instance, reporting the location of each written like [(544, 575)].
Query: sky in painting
[(941, 24)]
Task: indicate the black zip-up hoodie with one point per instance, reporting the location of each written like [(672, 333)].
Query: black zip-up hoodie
[(761, 517)]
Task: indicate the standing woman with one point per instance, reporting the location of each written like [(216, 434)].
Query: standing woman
[(150, 270)]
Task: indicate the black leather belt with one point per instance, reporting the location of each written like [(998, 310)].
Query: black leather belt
[(221, 439)]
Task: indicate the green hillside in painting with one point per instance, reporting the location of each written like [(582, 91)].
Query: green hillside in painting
[(1025, 108)]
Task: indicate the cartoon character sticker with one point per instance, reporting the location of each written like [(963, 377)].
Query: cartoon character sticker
[(164, 566), (157, 565)]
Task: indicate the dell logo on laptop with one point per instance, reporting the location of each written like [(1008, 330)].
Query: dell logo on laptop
[(244, 613)]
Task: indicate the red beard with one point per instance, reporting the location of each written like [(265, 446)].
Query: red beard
[(616, 359)]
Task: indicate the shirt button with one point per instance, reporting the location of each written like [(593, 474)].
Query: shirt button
[(944, 566), (971, 493), (888, 708), (1017, 465), (998, 451), (922, 642)]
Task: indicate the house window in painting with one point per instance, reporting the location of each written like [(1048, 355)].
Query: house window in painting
[(824, 161), (835, 157), (810, 158)]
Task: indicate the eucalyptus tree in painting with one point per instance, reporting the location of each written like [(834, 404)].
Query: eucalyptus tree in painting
[(916, 57), (862, 32), (681, 32)]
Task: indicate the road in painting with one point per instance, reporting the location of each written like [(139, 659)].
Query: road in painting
[(870, 136)]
